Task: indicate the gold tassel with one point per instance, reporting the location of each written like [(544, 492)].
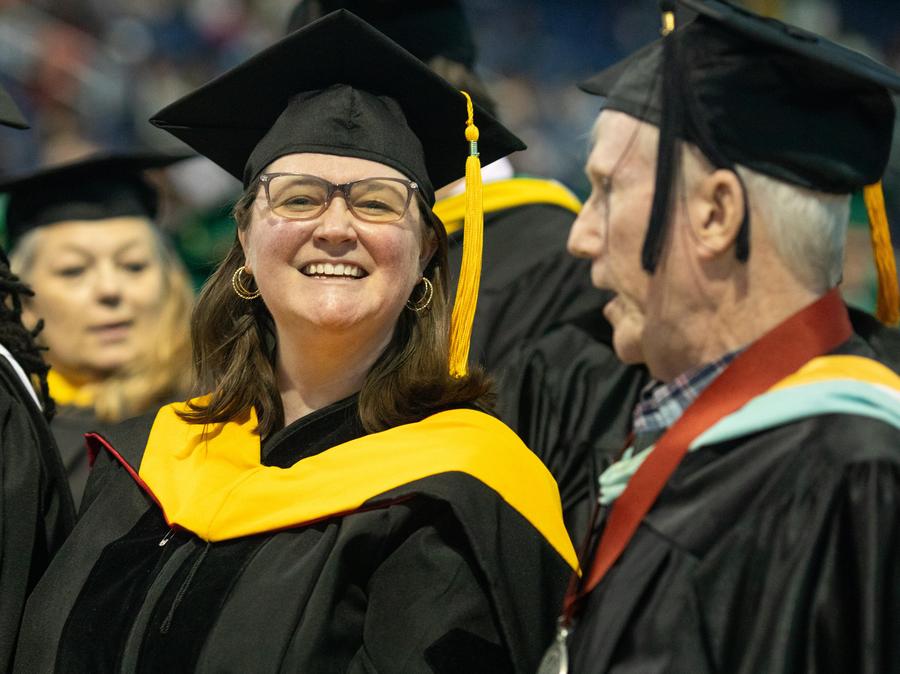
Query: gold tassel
[(470, 269), (667, 16), (887, 308), (668, 23)]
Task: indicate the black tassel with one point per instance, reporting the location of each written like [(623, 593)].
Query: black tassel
[(667, 155)]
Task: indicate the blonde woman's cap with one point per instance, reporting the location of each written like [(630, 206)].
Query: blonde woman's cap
[(96, 187)]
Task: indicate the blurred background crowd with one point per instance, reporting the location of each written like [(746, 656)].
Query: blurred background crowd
[(89, 73)]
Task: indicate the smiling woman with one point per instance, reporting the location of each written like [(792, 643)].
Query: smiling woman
[(336, 499), (400, 370), (113, 298)]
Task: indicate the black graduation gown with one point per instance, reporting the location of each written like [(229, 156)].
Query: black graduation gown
[(36, 512), (774, 552), (69, 426), (529, 282), (441, 578), (570, 399), (883, 340)]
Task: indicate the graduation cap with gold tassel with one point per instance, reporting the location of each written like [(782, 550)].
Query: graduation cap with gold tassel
[(338, 86), (470, 270), (777, 99)]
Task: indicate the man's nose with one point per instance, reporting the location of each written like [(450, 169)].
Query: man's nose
[(586, 235)]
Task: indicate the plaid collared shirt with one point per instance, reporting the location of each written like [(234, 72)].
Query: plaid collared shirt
[(662, 404)]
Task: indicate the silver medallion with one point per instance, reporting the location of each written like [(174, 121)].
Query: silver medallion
[(556, 659)]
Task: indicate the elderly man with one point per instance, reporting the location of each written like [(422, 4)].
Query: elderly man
[(753, 525), (36, 511)]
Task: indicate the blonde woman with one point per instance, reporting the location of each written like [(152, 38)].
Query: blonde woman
[(114, 299)]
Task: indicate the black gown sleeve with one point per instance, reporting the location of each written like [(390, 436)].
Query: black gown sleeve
[(882, 339), (428, 610), (570, 398), (36, 512), (812, 588)]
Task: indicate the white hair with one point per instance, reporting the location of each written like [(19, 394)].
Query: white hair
[(808, 228)]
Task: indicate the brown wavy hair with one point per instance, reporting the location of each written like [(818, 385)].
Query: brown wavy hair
[(234, 351)]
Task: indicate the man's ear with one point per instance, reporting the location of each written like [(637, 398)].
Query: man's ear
[(717, 212)]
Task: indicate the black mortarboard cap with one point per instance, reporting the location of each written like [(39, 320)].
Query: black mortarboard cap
[(758, 92), (10, 115), (97, 187), (336, 86), (425, 28)]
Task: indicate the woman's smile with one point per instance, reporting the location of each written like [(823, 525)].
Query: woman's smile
[(333, 270)]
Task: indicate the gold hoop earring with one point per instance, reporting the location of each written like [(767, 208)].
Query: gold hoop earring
[(424, 301), (239, 288)]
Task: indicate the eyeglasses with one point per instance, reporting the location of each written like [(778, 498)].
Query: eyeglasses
[(297, 196)]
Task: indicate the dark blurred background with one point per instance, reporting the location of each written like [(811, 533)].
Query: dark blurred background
[(89, 73)]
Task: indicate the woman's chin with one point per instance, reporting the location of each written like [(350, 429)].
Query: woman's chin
[(337, 323), (95, 370), (329, 318)]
